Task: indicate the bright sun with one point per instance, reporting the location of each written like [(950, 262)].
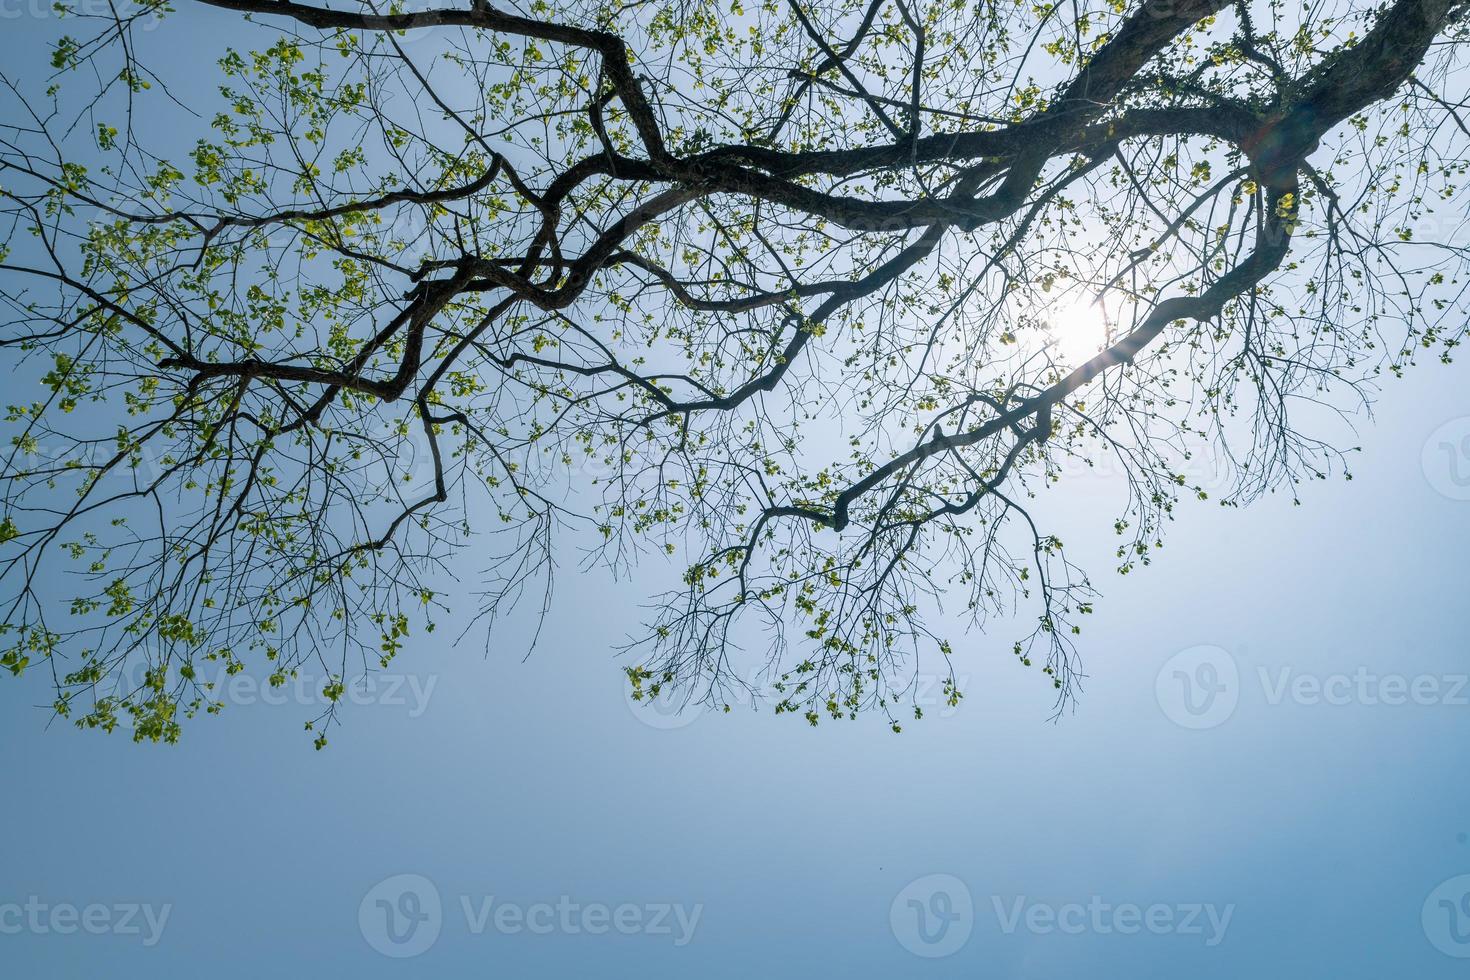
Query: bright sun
[(1077, 330)]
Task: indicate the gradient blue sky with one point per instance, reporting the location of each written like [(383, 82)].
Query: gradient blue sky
[(1323, 827)]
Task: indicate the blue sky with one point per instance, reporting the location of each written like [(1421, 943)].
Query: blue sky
[(1311, 821), (1323, 826)]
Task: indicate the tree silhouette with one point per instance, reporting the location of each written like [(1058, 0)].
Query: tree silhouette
[(802, 296)]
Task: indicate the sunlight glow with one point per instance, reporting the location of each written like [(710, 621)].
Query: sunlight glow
[(1077, 330)]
